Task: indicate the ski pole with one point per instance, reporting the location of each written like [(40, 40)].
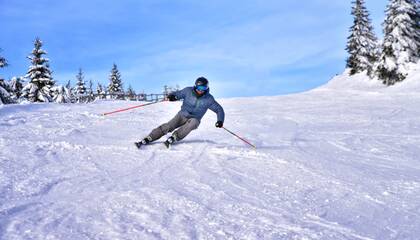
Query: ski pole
[(129, 108), (240, 138)]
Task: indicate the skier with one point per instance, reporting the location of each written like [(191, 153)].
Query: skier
[(197, 100)]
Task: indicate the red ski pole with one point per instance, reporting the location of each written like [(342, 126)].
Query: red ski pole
[(129, 108), (240, 138)]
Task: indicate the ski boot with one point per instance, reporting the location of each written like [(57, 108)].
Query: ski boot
[(169, 141), (145, 141)]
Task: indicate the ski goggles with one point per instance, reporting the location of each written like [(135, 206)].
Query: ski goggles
[(201, 88)]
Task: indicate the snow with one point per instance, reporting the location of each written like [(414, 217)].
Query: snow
[(338, 162), (360, 83)]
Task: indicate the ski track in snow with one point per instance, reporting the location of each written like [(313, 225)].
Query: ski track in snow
[(327, 166)]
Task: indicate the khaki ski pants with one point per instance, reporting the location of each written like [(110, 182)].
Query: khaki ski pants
[(184, 125)]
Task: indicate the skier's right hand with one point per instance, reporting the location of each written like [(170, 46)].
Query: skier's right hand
[(172, 97)]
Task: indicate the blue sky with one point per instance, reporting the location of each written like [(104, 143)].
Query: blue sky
[(244, 48)]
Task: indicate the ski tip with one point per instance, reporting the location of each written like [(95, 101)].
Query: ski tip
[(167, 145), (137, 144)]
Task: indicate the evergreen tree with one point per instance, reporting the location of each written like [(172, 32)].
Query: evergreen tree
[(5, 96), (115, 83), (61, 95), (40, 80), (80, 88), (131, 94), (100, 91), (90, 91), (68, 85), (362, 43), (400, 44), (3, 61), (417, 20), (69, 91), (80, 91), (16, 86)]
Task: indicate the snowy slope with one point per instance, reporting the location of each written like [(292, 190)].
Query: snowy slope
[(330, 164)]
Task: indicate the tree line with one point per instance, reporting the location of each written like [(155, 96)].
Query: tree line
[(391, 58), (40, 86)]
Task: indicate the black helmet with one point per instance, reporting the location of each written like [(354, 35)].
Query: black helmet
[(201, 84), (201, 81)]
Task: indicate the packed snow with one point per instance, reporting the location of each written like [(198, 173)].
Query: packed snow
[(331, 163)]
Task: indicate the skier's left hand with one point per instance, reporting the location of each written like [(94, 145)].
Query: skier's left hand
[(172, 97), (219, 124)]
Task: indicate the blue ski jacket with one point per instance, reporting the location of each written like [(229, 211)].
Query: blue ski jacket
[(195, 106)]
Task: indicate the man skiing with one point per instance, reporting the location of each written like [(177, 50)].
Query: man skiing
[(197, 100)]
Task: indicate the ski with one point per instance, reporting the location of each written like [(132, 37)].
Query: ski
[(138, 144), (169, 142)]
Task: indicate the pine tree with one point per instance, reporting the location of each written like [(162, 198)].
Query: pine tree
[(131, 94), (400, 45), (69, 91), (40, 80), (80, 88), (100, 91), (115, 83), (362, 43), (16, 87), (90, 91), (5, 96), (68, 85), (61, 95), (417, 20), (3, 61)]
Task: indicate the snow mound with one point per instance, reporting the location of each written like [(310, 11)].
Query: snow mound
[(361, 82)]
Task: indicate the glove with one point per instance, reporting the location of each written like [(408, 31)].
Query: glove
[(172, 97), (219, 124)]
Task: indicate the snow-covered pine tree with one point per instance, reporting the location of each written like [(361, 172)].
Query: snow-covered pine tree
[(40, 80), (417, 19), (90, 91), (80, 88), (115, 87), (68, 85), (5, 96), (60, 95), (99, 88), (90, 88), (131, 94), (69, 91), (3, 61), (362, 42), (100, 91), (400, 44), (16, 86)]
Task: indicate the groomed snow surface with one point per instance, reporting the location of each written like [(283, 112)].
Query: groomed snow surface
[(331, 163)]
